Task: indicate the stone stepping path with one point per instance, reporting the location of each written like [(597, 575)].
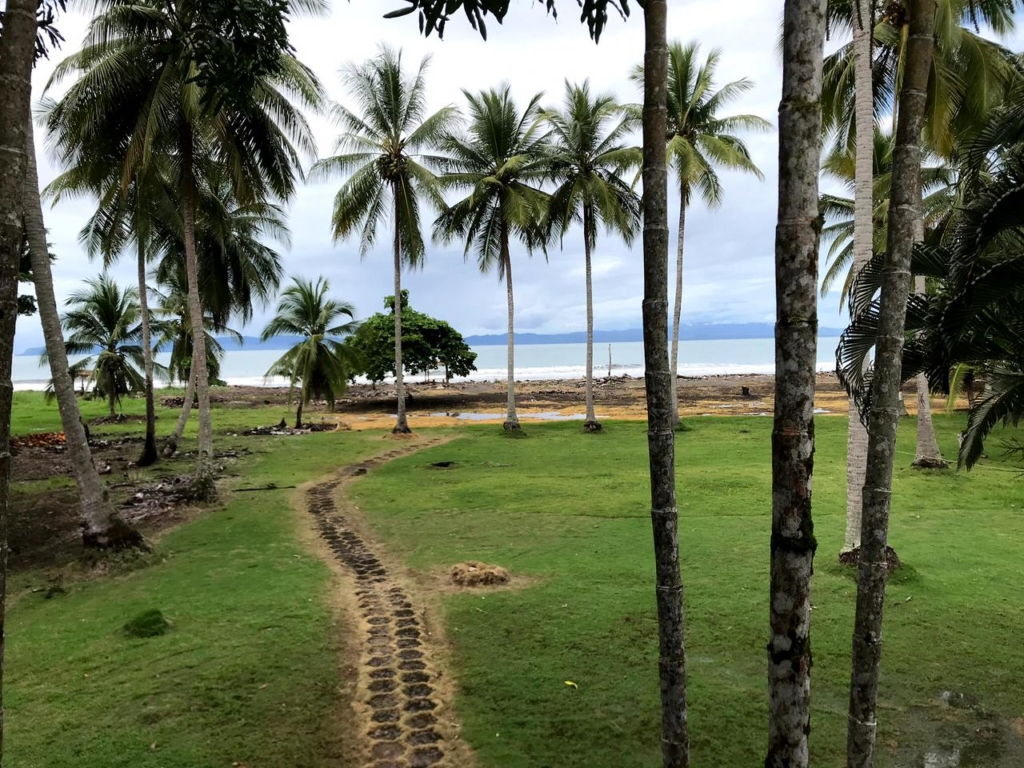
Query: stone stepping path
[(397, 676)]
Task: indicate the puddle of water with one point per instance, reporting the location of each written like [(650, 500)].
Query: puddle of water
[(543, 416), (964, 735)]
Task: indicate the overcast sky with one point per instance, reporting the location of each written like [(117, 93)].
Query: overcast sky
[(729, 251)]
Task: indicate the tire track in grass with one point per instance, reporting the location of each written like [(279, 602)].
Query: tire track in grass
[(398, 687)]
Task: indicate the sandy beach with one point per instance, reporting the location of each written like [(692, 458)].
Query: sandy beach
[(435, 404)]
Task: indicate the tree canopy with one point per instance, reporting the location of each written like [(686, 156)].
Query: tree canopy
[(427, 343)]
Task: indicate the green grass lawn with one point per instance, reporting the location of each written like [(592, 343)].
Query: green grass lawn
[(571, 512), (31, 413), (248, 674)]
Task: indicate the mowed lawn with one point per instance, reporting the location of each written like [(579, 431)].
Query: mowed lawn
[(569, 513)]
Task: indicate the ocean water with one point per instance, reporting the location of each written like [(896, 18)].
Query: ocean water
[(534, 362)]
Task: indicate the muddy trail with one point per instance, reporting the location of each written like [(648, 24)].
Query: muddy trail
[(404, 718)]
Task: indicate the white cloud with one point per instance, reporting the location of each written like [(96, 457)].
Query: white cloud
[(729, 252)]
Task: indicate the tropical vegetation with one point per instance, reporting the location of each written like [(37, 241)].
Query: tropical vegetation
[(186, 125), (384, 147), (320, 363), (429, 344)]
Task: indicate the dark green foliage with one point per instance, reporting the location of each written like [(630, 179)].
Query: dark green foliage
[(237, 42), (320, 363), (434, 14), (972, 320), (149, 623), (427, 343)]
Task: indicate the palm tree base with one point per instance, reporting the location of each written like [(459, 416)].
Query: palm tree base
[(682, 426), (851, 557), (930, 463), (401, 429), (118, 536), (149, 454), (592, 425), (170, 448), (512, 427), (202, 489)]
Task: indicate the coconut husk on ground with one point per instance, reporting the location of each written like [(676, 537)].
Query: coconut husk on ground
[(473, 573)]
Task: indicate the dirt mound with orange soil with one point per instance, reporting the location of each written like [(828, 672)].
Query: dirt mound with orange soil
[(473, 573)]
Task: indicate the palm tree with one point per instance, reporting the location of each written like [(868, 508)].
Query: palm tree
[(499, 159), (17, 46), (796, 254), (883, 417), (939, 201), (103, 316), (176, 334), (699, 140), (140, 87), (967, 79), (585, 158), (123, 216), (320, 363), (382, 150)]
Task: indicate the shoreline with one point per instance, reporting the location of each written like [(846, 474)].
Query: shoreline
[(436, 404)]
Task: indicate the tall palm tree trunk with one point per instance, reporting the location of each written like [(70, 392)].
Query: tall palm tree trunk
[(675, 739), (101, 527), (511, 419), (401, 422), (863, 240), (149, 454), (16, 50), (591, 424), (204, 463), (796, 341), (186, 410), (112, 397), (677, 309), (928, 455), (884, 417)]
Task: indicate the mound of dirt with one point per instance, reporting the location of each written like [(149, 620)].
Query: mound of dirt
[(473, 573), (852, 558)]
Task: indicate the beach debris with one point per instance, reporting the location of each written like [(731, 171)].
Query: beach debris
[(473, 573), (40, 440)]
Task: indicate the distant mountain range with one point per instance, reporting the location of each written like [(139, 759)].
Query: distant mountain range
[(700, 332), (228, 342)]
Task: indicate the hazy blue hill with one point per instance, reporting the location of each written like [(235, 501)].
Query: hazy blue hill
[(704, 332), (229, 343)]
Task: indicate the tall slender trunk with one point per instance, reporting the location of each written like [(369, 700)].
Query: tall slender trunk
[(885, 385), (298, 414), (796, 340), (112, 397), (204, 460), (863, 247), (677, 310), (590, 423), (401, 422), (675, 739), (928, 455), (511, 420), (16, 50), (149, 454), (101, 527), (186, 410)]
